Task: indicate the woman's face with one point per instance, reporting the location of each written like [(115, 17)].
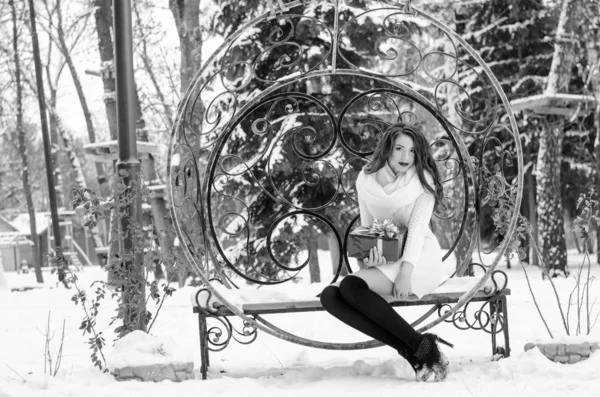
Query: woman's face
[(403, 154)]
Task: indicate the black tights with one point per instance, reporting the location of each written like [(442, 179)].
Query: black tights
[(365, 310)]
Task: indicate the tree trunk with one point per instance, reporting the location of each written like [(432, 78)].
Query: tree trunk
[(335, 251), (39, 79), (103, 17), (593, 56), (549, 206), (187, 21), (23, 151), (58, 180), (532, 213), (550, 221), (313, 263)]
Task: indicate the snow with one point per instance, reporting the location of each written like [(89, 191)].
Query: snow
[(139, 349), (272, 367)]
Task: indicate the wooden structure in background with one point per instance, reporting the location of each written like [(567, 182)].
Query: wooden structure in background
[(566, 105), (107, 152)]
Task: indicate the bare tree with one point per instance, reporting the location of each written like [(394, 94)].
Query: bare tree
[(149, 65), (23, 150), (57, 127), (66, 51), (45, 135)]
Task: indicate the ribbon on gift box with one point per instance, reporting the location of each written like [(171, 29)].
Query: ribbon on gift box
[(384, 228)]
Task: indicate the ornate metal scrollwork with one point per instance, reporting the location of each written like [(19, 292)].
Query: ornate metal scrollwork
[(480, 315), (275, 127), (222, 331)]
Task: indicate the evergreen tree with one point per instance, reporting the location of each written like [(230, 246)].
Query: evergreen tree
[(514, 38)]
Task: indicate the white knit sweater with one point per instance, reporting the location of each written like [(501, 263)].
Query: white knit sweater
[(381, 195)]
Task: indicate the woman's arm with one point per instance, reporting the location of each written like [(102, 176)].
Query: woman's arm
[(366, 219), (417, 228)]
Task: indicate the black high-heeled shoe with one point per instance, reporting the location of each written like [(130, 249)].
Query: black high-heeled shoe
[(422, 372), (432, 357)]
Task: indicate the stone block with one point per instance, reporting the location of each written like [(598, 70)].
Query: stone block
[(180, 376), (561, 359), (156, 372), (561, 350), (529, 346), (550, 350), (574, 358), (582, 349), (187, 367), (124, 373), (594, 347)]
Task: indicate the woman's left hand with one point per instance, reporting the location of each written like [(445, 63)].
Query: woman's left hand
[(375, 258), (403, 283)]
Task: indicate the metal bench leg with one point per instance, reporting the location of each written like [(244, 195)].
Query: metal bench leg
[(504, 314), (203, 345), (499, 316), (494, 324)]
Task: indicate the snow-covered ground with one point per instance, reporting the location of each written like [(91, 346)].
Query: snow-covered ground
[(272, 367)]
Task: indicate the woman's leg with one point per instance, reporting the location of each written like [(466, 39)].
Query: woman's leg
[(363, 291), (336, 305)]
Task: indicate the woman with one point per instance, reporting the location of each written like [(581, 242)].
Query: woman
[(400, 182)]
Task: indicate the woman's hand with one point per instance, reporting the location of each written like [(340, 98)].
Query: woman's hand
[(403, 284), (375, 258)]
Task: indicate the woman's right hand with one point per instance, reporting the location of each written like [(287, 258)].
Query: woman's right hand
[(375, 258)]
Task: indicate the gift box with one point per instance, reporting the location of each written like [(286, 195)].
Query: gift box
[(385, 235)]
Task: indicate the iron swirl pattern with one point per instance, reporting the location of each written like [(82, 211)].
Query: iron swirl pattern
[(480, 315), (291, 155), (222, 330), (275, 127)]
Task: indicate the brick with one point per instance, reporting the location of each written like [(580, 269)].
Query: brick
[(574, 358), (561, 359), (583, 349)]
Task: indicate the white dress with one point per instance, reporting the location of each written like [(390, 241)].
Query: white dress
[(381, 195)]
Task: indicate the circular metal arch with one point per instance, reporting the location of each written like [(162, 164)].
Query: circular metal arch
[(213, 104)]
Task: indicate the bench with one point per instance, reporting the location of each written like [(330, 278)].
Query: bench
[(491, 317), (273, 131)]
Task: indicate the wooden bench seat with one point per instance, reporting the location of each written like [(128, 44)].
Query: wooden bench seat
[(315, 305)]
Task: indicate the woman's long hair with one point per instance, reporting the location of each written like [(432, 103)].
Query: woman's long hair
[(423, 159)]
